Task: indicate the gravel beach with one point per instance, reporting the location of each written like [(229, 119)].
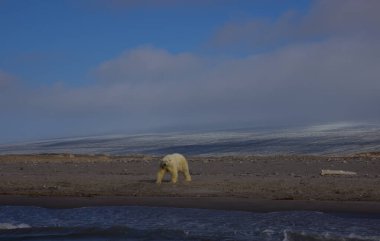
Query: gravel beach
[(294, 180)]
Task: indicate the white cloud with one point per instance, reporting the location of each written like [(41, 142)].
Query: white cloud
[(335, 79), (133, 4), (325, 19), (6, 80), (147, 64)]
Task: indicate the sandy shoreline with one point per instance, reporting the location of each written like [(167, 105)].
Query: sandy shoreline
[(249, 183)]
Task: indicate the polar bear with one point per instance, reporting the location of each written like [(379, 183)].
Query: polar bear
[(173, 164)]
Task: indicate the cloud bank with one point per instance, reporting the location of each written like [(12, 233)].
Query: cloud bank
[(325, 19), (5, 80), (133, 4), (326, 67)]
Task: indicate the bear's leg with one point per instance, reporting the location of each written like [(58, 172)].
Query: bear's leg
[(187, 175), (186, 172), (174, 173), (160, 175)]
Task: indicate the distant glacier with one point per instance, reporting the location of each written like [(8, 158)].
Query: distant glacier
[(331, 139)]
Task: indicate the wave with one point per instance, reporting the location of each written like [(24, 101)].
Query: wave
[(5, 226), (305, 236), (153, 223), (24, 232), (90, 233)]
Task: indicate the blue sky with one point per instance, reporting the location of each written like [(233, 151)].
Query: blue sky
[(70, 68), (49, 41)]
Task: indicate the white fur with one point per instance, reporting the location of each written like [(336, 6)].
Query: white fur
[(173, 164)]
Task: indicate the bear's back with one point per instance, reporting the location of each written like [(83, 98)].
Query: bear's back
[(175, 156), (177, 159)]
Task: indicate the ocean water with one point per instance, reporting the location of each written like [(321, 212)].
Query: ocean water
[(151, 223)]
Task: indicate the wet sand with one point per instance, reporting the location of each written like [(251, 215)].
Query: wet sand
[(252, 183)]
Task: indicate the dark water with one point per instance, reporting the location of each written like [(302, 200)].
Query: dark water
[(316, 140), (149, 223)]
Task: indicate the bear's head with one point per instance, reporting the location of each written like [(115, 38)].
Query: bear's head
[(164, 163)]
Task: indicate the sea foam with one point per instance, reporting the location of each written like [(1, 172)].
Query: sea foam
[(13, 226)]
